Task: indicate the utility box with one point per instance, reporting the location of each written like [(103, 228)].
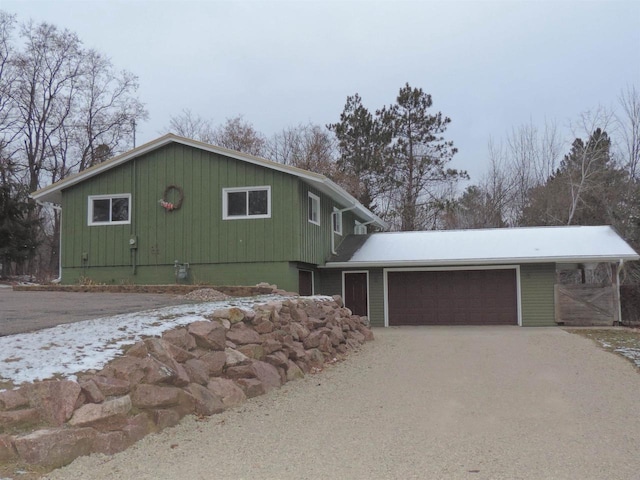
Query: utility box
[(133, 241)]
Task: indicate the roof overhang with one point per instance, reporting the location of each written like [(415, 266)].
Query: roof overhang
[(474, 262), (53, 193)]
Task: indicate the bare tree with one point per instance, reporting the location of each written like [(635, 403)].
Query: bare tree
[(191, 125), (305, 146), (629, 122), (238, 134)]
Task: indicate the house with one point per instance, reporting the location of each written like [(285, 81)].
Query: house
[(478, 277), (178, 210)]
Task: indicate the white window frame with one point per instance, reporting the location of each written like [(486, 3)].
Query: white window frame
[(336, 221), (315, 199), (90, 200), (225, 191)]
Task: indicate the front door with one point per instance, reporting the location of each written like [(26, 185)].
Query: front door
[(355, 293)]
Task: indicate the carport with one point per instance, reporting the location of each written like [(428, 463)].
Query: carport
[(470, 277)]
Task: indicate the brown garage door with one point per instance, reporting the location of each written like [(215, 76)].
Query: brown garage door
[(457, 297)]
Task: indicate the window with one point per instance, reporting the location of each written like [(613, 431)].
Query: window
[(336, 218), (314, 209), (246, 202), (109, 209)]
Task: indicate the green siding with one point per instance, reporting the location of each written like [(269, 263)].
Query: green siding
[(196, 233), (284, 274), (537, 294)]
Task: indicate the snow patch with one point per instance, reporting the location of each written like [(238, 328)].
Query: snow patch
[(65, 350)]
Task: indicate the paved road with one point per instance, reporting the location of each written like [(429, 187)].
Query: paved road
[(471, 403), (28, 311)]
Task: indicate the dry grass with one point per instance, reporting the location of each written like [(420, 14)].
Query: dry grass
[(620, 340)]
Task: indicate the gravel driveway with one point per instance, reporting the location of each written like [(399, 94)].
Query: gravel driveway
[(28, 311), (424, 403)]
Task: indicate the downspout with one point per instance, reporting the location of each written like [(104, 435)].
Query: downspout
[(133, 247), (618, 270)]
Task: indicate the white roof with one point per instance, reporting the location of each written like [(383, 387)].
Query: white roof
[(491, 246), (53, 193)]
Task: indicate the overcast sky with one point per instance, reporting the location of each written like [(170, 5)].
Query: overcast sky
[(489, 65)]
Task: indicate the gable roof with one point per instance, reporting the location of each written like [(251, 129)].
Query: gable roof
[(53, 193), (574, 244)]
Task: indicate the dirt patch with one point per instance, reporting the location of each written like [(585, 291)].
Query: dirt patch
[(621, 341)]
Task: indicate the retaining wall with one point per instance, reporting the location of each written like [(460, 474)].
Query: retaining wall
[(203, 369)]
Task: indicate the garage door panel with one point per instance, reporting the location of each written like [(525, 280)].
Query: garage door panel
[(458, 297)]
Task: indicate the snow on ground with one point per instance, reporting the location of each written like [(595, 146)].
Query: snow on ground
[(67, 349), (631, 353)]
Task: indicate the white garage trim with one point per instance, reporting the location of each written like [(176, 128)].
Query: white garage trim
[(446, 269)]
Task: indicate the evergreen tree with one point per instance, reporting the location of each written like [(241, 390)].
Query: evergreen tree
[(18, 229)]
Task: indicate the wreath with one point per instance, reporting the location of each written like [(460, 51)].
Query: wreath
[(170, 206)]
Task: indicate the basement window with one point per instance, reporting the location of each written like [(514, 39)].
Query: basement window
[(109, 209), (246, 202), (314, 209)]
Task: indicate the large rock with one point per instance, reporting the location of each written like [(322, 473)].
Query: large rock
[(215, 362), (265, 326), (210, 335), (19, 419), (7, 451), (206, 402), (252, 350), (198, 370), (240, 371), (314, 339), (158, 350), (299, 331), (180, 338), (54, 400), (126, 368), (235, 358), (137, 427), (252, 387), (228, 391), (12, 399), (111, 386), (293, 371), (55, 447), (277, 359), (92, 392), (109, 443), (241, 334), (314, 358), (267, 374), (233, 314), (153, 396), (93, 413)]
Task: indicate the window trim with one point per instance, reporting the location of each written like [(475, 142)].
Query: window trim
[(90, 200), (315, 199), (225, 211), (336, 221)]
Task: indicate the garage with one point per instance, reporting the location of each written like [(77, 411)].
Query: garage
[(497, 276), (453, 297)]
